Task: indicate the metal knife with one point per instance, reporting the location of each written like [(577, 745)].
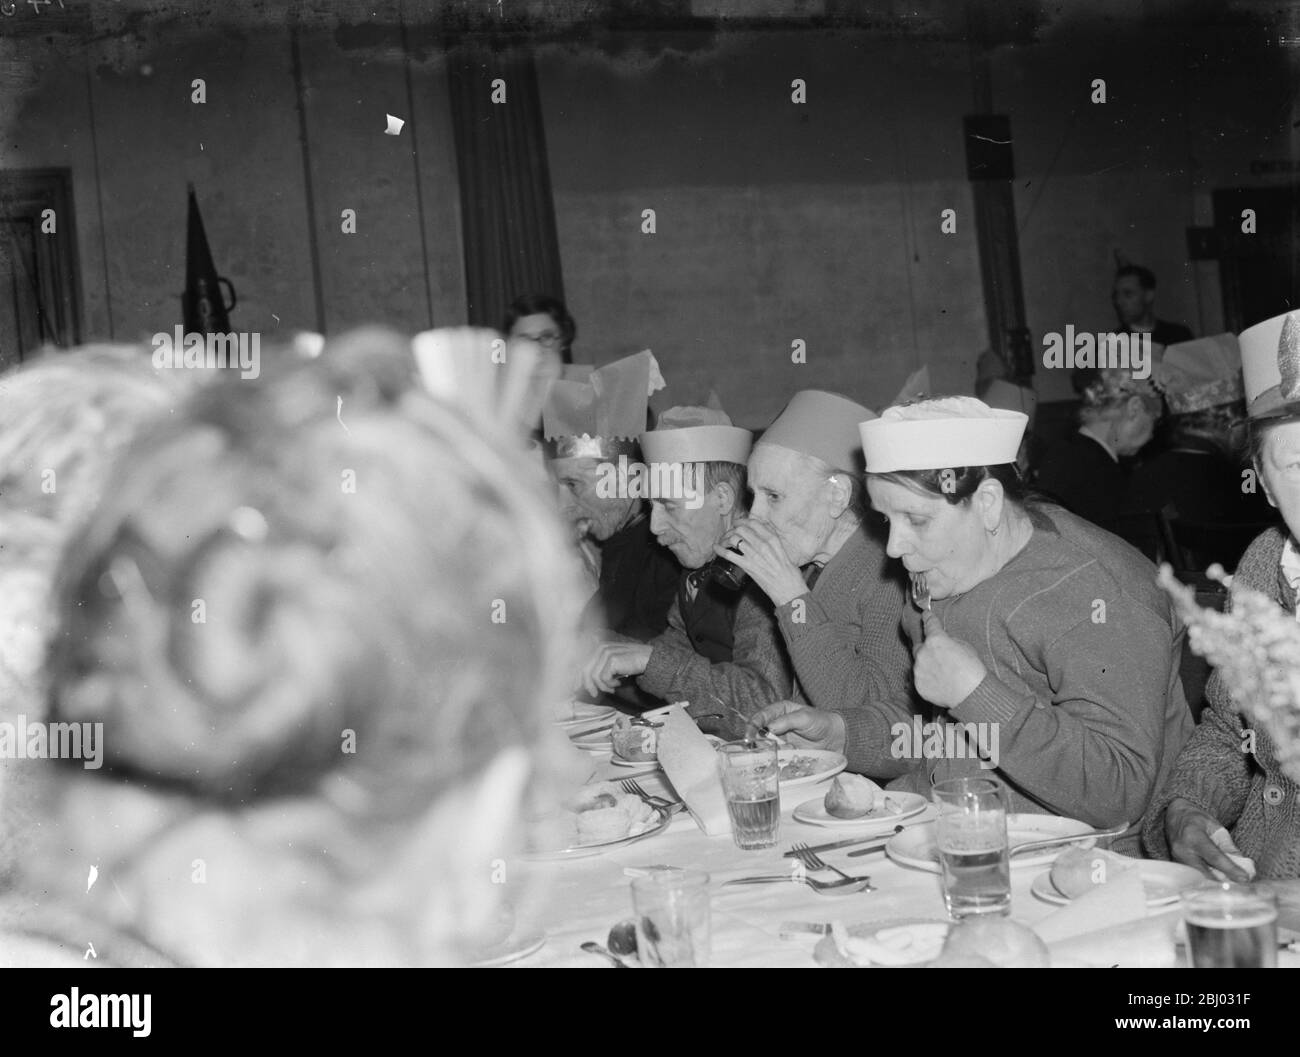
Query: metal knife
[(792, 929), (881, 837)]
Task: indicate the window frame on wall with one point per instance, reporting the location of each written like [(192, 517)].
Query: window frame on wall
[(25, 194)]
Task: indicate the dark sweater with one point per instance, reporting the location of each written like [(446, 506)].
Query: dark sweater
[(843, 635), (1080, 474), (1246, 792), (1081, 649), (638, 581), (690, 661)]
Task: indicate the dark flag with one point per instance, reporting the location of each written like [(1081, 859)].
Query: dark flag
[(205, 310)]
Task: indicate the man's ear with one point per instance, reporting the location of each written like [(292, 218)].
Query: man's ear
[(989, 501), (841, 493), (724, 498)]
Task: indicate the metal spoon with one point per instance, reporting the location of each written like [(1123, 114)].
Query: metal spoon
[(591, 947)]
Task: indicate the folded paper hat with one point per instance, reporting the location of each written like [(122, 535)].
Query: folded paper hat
[(823, 425), (1270, 366), (1195, 375), (941, 434), (696, 434), (917, 387), (600, 416), (1010, 397)]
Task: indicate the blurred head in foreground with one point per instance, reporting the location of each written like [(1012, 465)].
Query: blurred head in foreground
[(316, 613), (64, 417)]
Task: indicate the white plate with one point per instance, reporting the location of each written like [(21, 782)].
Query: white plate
[(828, 954), (903, 805), (829, 764), (656, 824), (511, 949), (586, 712), (618, 761), (1164, 882), (916, 846), (598, 742)]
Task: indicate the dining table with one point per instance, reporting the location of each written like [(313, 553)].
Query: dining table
[(565, 902)]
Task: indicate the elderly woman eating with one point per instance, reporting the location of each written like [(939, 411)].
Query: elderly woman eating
[(1228, 806), (1042, 648)]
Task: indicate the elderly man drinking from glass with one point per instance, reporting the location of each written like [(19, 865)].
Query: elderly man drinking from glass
[(804, 545), (720, 652), (1042, 645)]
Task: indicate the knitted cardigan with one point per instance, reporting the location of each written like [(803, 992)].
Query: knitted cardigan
[(1246, 791)]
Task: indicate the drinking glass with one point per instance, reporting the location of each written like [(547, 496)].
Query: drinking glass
[(1230, 926), (672, 918), (751, 783), (971, 832)]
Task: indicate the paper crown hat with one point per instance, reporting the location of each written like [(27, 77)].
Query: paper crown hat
[(941, 434), (1195, 375), (696, 434), (600, 412), (1008, 396), (824, 425), (1270, 366)]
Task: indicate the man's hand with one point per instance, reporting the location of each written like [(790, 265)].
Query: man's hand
[(611, 663), (803, 727), (763, 557), (1189, 831), (945, 670)]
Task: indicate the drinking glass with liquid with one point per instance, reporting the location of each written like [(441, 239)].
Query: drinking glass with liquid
[(1230, 926), (971, 833), (751, 783)]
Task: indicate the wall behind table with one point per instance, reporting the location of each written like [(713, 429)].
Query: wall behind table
[(242, 152), (821, 221), (775, 221)]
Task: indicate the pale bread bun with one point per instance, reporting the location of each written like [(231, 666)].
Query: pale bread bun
[(852, 796), (1078, 870)]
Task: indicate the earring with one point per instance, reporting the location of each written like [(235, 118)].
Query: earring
[(997, 530)]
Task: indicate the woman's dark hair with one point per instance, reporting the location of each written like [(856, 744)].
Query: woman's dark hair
[(542, 304), (1259, 431), (958, 483)]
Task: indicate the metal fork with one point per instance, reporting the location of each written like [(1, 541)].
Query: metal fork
[(815, 862), (822, 888), (633, 788), (920, 591)]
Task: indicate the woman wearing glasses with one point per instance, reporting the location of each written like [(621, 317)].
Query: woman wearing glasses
[(544, 320)]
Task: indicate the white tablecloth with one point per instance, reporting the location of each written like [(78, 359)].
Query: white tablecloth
[(577, 900)]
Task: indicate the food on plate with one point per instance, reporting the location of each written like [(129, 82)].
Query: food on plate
[(853, 796), (634, 741), (798, 767), (1078, 870), (603, 812), (909, 944), (1003, 943)]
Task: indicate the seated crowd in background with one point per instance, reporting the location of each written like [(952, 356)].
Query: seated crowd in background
[(322, 726)]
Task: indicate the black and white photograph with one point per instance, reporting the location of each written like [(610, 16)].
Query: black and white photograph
[(650, 484)]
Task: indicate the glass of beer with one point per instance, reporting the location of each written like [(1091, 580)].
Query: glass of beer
[(751, 783), (971, 833), (1230, 926)]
